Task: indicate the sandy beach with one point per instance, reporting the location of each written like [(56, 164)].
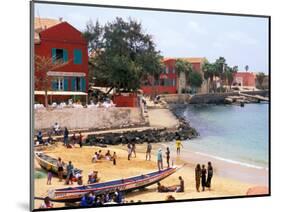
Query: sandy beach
[(81, 158)]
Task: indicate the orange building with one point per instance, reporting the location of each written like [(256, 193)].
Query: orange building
[(245, 79)]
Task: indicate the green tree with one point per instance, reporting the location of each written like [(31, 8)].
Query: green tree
[(229, 74), (209, 71), (195, 80), (182, 66), (43, 65), (123, 54), (260, 78)]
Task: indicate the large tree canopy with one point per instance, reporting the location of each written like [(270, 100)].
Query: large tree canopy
[(123, 54)]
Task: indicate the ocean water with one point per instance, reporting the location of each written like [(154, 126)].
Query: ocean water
[(230, 133)]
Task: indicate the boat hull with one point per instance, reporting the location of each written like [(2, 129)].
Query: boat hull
[(125, 185), (49, 163)]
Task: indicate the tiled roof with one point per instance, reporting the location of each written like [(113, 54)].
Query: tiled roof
[(189, 59), (41, 24)]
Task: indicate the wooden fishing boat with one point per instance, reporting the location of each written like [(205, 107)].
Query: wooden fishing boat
[(49, 163), (74, 194)]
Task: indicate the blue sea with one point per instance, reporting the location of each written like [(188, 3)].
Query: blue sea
[(234, 134)]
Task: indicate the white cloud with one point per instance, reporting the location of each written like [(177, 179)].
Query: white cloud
[(196, 28)]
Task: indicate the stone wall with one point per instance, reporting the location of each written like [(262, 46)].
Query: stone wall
[(216, 98), (175, 98), (88, 118)]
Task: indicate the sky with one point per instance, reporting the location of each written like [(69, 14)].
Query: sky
[(240, 40)]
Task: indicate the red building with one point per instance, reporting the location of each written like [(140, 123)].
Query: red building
[(169, 80), (60, 41), (245, 79)]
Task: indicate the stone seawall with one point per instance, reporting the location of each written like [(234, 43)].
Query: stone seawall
[(175, 98), (217, 98), (89, 118)]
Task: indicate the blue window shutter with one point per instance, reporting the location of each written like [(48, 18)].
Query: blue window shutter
[(83, 84), (65, 84), (54, 85), (73, 84), (77, 56), (65, 55), (53, 55)]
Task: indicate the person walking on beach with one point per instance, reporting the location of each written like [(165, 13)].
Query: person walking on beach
[(129, 151), (65, 136), (148, 151), (60, 169), (178, 146), (168, 157), (209, 176), (114, 157), (197, 177), (69, 170), (134, 149), (159, 159), (203, 177)]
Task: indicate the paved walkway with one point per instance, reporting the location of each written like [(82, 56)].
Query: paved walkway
[(162, 118)]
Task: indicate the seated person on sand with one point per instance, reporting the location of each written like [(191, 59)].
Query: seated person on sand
[(56, 128), (180, 188), (162, 189), (100, 155), (78, 176), (93, 177), (108, 155), (95, 158), (74, 139)]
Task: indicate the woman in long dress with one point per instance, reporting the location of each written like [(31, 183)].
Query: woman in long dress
[(197, 177), (203, 177), (210, 175)]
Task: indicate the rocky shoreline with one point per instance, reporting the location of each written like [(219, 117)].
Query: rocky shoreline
[(184, 131)]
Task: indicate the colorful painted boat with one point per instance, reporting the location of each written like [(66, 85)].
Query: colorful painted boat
[(74, 194), (49, 163)]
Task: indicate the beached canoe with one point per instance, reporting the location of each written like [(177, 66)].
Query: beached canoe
[(47, 162), (74, 194)]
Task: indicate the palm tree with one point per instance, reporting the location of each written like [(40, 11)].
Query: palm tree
[(182, 66), (220, 65), (209, 71)]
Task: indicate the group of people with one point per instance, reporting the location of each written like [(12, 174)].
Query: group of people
[(160, 158), (204, 176), (70, 175), (91, 200), (178, 188), (108, 156), (74, 139)]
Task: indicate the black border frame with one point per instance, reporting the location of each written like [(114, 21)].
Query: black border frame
[(31, 156)]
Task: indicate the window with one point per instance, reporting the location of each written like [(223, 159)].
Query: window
[(58, 84), (77, 56), (59, 55), (167, 70), (78, 84)]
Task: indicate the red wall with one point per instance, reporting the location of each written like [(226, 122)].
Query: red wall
[(128, 100), (67, 37), (170, 63), (249, 78)]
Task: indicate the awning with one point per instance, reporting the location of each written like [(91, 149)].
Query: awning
[(61, 93)]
